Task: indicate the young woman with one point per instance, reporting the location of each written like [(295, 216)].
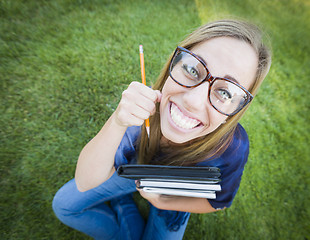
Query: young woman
[(194, 109)]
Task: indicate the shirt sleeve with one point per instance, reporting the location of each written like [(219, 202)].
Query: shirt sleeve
[(126, 152), (231, 164)]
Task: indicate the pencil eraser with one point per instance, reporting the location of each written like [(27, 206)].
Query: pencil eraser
[(141, 48)]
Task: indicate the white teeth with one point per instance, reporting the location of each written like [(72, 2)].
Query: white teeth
[(181, 120)]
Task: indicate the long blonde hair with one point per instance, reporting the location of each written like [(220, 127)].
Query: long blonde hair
[(215, 143)]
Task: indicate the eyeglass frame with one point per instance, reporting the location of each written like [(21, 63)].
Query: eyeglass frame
[(209, 78)]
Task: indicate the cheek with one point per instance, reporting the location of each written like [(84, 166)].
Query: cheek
[(163, 100), (171, 91), (166, 89), (171, 88), (216, 118)]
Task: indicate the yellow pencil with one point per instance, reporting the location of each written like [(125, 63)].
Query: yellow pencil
[(147, 122)]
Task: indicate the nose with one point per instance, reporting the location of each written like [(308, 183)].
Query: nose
[(197, 99)]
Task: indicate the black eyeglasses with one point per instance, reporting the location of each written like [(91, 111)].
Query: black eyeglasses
[(225, 95)]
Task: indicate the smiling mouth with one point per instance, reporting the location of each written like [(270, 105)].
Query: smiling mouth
[(181, 120)]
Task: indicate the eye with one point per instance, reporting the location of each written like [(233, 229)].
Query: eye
[(190, 71), (224, 94)]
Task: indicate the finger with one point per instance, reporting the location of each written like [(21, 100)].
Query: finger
[(159, 95), (145, 103), (146, 195), (139, 110), (127, 117), (142, 193), (141, 113), (144, 90), (134, 96), (131, 120)]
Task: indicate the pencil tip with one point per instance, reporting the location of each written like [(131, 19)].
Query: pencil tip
[(148, 131), (141, 48)]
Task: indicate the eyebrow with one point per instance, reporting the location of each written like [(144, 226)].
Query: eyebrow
[(201, 58), (231, 78), (226, 76)]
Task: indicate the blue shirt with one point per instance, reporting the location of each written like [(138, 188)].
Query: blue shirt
[(231, 162)]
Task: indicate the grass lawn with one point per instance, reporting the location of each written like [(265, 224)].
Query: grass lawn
[(63, 67)]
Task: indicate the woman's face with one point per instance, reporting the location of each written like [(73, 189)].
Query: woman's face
[(186, 113)]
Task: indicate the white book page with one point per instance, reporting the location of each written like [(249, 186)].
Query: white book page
[(183, 185), (177, 192)]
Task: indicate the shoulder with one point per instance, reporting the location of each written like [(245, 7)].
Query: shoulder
[(231, 164), (237, 152), (241, 134), (133, 132), (126, 152), (130, 138), (239, 143), (235, 156)]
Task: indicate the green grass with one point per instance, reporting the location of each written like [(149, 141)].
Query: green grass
[(63, 67)]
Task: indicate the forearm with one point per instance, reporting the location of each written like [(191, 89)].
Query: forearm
[(96, 160), (184, 204)]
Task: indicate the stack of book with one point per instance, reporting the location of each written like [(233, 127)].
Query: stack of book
[(202, 182)]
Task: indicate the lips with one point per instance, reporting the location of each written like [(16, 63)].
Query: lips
[(182, 120)]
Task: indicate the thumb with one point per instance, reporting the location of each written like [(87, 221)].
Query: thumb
[(158, 95)]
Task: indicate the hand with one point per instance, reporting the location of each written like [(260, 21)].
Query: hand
[(157, 200), (153, 198), (137, 104)]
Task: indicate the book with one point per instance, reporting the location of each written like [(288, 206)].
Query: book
[(181, 192), (202, 182), (179, 184), (133, 171)]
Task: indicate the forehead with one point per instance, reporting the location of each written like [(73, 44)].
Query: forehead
[(226, 56)]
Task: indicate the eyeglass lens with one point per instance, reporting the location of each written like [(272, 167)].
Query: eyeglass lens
[(225, 96)]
